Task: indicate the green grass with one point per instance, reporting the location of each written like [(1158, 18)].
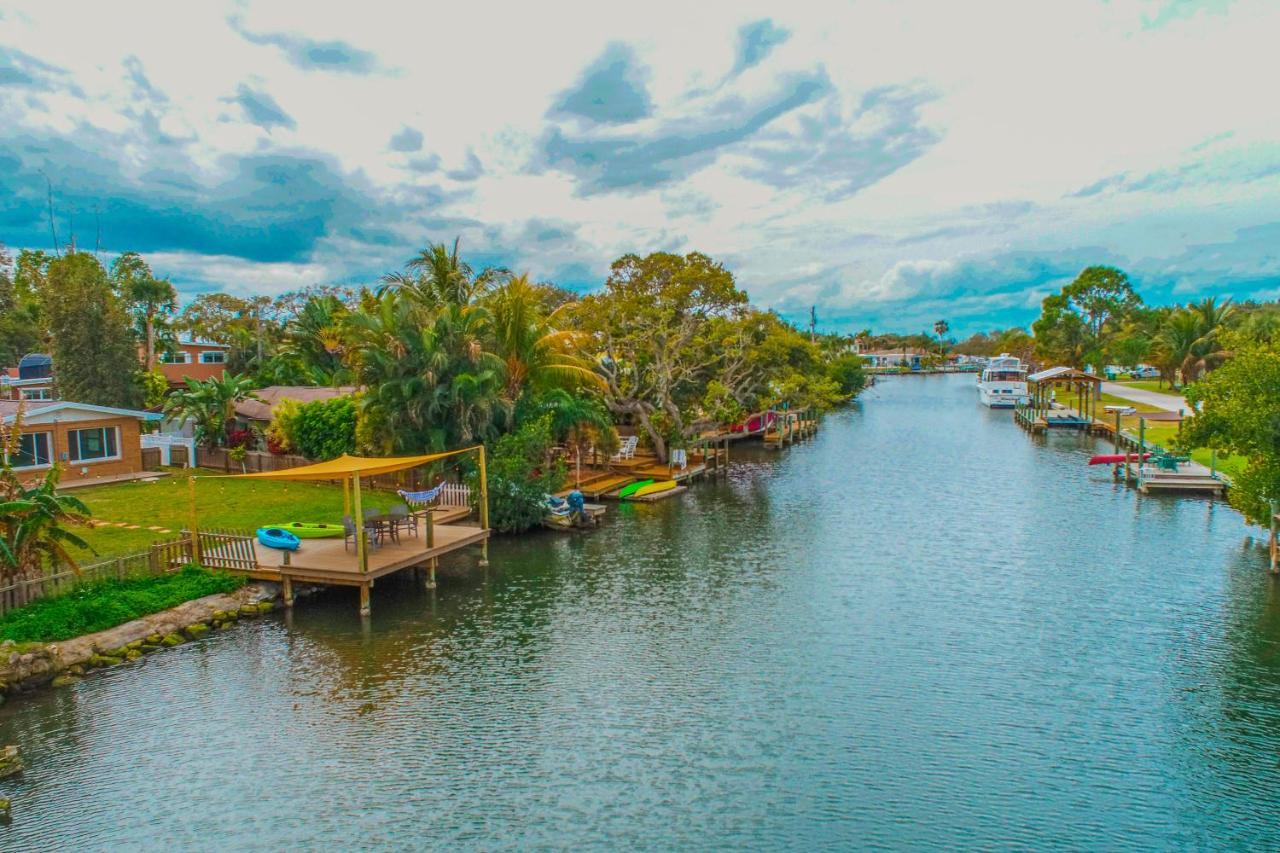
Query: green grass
[(105, 604), (1151, 385), (1164, 434), (220, 502)]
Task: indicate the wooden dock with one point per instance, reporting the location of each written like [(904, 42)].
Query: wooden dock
[(1189, 477), (331, 562)]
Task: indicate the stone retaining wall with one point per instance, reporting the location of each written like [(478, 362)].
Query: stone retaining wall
[(26, 666)]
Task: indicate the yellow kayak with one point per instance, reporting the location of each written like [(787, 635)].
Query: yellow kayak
[(654, 488)]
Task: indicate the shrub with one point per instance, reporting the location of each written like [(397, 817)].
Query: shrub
[(100, 605), (520, 478), (241, 438), (846, 370), (325, 429), (281, 431)]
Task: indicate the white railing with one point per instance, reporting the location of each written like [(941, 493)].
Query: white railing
[(455, 494)]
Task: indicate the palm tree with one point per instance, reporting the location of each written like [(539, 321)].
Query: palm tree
[(33, 519), (536, 355), (210, 404), (149, 298), (1205, 352), (438, 276), (428, 387), (314, 344)]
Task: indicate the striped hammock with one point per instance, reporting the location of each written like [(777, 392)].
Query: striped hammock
[(420, 497)]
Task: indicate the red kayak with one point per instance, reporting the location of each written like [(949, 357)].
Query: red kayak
[(1117, 458)]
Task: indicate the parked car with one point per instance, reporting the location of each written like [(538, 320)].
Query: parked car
[(1144, 371)]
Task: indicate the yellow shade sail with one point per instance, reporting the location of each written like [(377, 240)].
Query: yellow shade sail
[(345, 467)]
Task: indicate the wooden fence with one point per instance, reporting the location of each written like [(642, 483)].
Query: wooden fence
[(162, 557)]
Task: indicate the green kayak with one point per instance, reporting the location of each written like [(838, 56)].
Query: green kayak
[(310, 529), (631, 489)]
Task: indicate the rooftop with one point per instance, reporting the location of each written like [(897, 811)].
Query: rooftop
[(260, 409)]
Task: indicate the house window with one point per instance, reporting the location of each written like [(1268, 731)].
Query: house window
[(87, 445), (37, 394), (213, 357), (33, 450), (179, 357)]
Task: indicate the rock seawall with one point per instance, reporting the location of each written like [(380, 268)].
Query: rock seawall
[(26, 666)]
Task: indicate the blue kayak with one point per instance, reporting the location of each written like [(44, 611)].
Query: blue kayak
[(274, 537)]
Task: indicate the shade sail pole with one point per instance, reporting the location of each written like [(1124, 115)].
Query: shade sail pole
[(361, 549), (346, 497), (484, 509)]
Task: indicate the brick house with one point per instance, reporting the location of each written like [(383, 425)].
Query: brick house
[(195, 360), (93, 443)]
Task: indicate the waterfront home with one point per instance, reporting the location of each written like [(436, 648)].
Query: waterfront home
[(193, 359), (93, 443), (907, 357), (32, 379)]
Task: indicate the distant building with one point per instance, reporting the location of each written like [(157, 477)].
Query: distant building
[(32, 379), (93, 443), (193, 359), (909, 357)]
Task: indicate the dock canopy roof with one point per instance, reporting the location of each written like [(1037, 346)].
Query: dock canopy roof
[(345, 467), (1064, 374)]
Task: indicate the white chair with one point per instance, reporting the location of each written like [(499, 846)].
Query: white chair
[(627, 450)]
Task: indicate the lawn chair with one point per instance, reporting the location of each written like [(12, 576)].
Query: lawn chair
[(627, 450)]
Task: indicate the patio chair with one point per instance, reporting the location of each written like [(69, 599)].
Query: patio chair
[(349, 531), (402, 518)]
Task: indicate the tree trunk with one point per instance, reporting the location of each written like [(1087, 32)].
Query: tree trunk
[(659, 443), (151, 344)]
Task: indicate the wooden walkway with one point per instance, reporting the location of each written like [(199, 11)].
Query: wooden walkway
[(331, 562)]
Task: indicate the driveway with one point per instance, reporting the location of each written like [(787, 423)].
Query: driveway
[(1168, 402)]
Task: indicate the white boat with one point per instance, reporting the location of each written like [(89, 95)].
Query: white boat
[(1003, 382)]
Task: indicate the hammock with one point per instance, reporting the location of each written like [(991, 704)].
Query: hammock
[(420, 497)]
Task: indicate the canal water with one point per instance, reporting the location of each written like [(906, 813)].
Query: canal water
[(920, 628)]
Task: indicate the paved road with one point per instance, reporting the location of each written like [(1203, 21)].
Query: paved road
[(1168, 402)]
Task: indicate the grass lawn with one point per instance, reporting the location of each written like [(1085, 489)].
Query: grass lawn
[(1151, 385), (105, 604), (220, 502), (1163, 434)]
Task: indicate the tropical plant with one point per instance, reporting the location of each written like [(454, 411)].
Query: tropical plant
[(520, 476), (438, 276), (210, 404), (535, 354), (430, 383), (34, 518)]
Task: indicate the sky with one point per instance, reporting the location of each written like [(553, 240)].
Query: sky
[(890, 163)]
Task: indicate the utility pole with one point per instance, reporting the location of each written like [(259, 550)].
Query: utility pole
[(813, 323)]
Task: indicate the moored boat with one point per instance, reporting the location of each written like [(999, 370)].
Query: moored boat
[(1003, 382)]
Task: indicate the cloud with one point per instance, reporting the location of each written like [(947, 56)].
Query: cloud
[(1239, 165), (406, 140), (678, 147), (310, 54), (269, 207), (471, 171), (839, 155), (756, 41), (261, 109), (611, 91), (22, 70)]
